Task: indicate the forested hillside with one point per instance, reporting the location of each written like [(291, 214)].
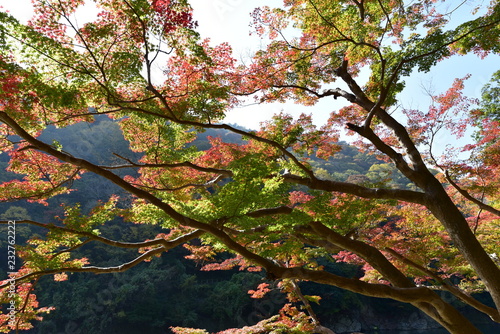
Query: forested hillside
[(171, 290)]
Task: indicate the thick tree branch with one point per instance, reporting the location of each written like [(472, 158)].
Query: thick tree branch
[(363, 101), (413, 294), (376, 259), (427, 299), (354, 189), (400, 163), (276, 271), (369, 253), (424, 298), (337, 92), (491, 312), (437, 200)]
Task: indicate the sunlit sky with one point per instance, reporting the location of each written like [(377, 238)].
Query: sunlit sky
[(229, 21)]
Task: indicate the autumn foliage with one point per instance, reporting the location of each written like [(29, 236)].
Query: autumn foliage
[(261, 203)]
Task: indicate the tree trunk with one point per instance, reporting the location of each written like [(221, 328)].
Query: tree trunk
[(464, 239)]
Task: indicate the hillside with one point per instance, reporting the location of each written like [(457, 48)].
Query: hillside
[(152, 296)]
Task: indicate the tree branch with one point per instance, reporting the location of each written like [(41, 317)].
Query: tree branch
[(369, 253), (92, 269), (280, 210), (490, 311), (169, 165), (363, 101), (166, 244), (468, 196), (81, 163), (366, 132), (354, 189)]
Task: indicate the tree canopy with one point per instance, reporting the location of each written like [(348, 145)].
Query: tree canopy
[(259, 205)]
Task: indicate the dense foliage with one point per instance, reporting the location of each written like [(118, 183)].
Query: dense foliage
[(264, 204), (214, 300)]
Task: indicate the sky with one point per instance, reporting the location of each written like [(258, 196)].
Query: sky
[(221, 21), (229, 21)]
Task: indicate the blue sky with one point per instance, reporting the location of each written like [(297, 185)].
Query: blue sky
[(228, 21)]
